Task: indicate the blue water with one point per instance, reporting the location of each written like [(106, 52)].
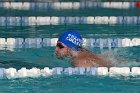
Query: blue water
[(70, 84), (45, 56)]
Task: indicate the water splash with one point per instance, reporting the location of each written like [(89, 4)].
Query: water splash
[(123, 56)]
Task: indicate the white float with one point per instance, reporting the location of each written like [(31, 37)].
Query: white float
[(12, 73)]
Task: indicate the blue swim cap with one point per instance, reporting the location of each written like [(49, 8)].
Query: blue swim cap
[(71, 39)]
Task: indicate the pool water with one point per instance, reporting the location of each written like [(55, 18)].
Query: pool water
[(44, 56), (69, 84)]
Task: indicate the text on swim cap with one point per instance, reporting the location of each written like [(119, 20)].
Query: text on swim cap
[(74, 39)]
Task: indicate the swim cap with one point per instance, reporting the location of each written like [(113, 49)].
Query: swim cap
[(71, 39)]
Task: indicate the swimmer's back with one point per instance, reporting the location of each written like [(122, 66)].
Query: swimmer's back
[(89, 59)]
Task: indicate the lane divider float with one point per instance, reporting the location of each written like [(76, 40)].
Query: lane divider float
[(12, 43), (54, 20), (68, 5), (12, 73)]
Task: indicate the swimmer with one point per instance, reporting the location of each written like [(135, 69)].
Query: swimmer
[(70, 43)]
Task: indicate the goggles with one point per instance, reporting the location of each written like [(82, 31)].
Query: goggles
[(59, 45)]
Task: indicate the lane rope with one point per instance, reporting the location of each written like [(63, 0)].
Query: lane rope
[(12, 43), (12, 73), (68, 5), (54, 20)]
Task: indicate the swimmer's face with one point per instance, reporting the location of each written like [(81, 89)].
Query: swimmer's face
[(61, 50)]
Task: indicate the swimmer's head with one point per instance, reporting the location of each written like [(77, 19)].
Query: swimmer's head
[(72, 40)]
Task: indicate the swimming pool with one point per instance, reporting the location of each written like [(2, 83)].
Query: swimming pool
[(28, 35)]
